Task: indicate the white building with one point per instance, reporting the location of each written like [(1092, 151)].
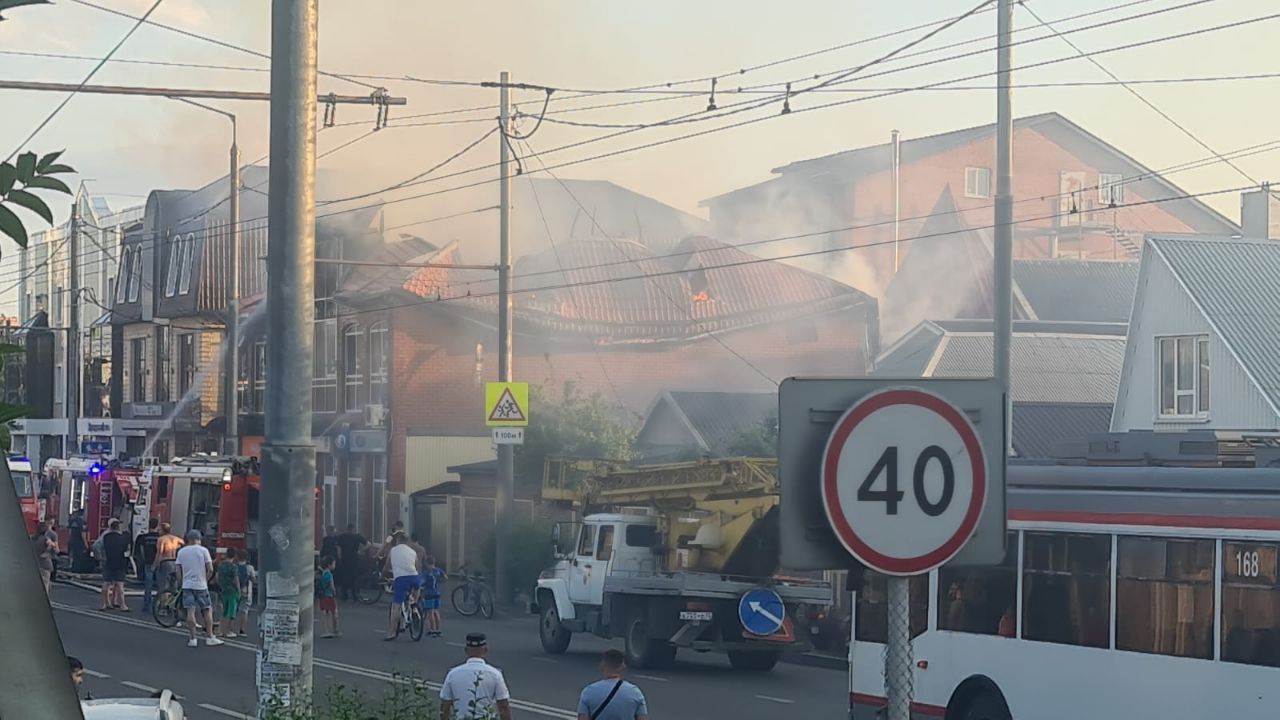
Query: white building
[(1203, 350)]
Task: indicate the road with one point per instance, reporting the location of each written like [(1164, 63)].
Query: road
[(127, 654)]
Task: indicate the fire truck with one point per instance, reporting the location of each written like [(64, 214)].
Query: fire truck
[(103, 489), (28, 491)]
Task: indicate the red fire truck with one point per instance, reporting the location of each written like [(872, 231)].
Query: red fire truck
[(104, 490), (28, 491)]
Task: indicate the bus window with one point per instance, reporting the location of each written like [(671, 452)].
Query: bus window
[(1066, 588), (1164, 596), (22, 483), (976, 599), (162, 488), (873, 607), (1250, 603)]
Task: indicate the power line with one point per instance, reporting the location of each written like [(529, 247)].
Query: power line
[(417, 177), (211, 40), (86, 79)]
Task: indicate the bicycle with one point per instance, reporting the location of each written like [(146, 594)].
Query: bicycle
[(371, 585), (171, 611), (411, 615), (472, 596)]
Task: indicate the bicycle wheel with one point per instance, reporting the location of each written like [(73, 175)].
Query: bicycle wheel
[(369, 589), (464, 601), (167, 614), (416, 622), (486, 603)]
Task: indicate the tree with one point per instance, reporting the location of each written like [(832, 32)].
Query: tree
[(18, 180), (577, 426), (760, 441)]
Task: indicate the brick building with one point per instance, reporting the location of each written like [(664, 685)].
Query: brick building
[(1067, 181)]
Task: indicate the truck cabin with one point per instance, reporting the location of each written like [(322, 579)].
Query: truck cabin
[(188, 493), (617, 542), (104, 491)]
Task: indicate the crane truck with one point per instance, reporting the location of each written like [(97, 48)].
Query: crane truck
[(682, 555)]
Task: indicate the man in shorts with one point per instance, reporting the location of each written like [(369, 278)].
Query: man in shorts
[(229, 580), (167, 547), (115, 566), (407, 576), (196, 566)]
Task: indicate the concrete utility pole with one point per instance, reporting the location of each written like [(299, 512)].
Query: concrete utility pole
[(71, 396), (1003, 280), (287, 544), (505, 495), (231, 360)]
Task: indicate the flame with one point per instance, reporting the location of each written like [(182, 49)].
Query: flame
[(702, 296)]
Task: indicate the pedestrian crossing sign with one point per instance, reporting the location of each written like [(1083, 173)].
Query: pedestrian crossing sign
[(506, 404)]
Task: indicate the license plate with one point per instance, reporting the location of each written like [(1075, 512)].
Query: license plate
[(695, 615)]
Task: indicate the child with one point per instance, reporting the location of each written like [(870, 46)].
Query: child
[(432, 577), (328, 599), (229, 583), (247, 576)]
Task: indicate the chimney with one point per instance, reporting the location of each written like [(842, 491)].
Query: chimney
[(1260, 214)]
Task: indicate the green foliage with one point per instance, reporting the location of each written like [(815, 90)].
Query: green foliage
[(531, 552), (18, 179), (760, 441), (577, 426), (404, 698)]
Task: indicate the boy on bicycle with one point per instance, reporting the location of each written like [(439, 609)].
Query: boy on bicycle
[(407, 576), (432, 577)]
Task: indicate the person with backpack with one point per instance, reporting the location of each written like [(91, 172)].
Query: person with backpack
[(612, 697), (229, 585)]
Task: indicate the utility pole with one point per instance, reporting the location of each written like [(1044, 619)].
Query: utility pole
[(71, 396), (287, 514), (1003, 272), (505, 495), (231, 345)]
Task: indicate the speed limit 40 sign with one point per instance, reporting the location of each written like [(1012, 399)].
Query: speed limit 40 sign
[(903, 480)]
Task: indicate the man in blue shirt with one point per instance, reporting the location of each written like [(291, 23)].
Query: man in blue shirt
[(612, 698)]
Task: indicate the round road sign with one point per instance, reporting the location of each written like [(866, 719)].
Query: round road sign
[(904, 480)]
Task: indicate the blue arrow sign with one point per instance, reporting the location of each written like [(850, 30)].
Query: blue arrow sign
[(761, 611)]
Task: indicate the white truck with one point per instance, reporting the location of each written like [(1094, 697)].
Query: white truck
[(694, 566)]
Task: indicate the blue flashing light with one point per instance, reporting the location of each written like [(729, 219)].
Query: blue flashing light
[(95, 469)]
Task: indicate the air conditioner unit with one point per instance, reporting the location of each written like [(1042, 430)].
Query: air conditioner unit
[(374, 415)]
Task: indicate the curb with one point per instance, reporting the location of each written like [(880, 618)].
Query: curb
[(818, 660)]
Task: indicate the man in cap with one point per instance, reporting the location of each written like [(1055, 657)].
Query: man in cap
[(196, 566), (472, 690)]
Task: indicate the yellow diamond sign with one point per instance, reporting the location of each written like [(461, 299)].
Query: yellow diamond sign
[(506, 404)]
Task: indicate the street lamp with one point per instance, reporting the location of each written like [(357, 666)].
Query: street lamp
[(231, 361)]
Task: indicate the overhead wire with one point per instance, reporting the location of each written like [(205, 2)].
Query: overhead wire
[(86, 79)]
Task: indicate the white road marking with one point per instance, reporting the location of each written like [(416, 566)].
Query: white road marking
[(525, 705), (654, 678), (782, 701), (224, 711), (96, 674), (455, 644), (539, 658), (139, 686)]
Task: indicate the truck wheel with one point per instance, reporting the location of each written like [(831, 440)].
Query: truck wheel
[(986, 705), (643, 651), (555, 638), (753, 661)]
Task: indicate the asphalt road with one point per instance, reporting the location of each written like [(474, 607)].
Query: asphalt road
[(127, 654)]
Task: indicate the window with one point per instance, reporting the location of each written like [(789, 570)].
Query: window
[(244, 379), (1066, 589), (980, 600), (260, 375), (587, 541), (57, 307), (379, 495), (1184, 376), (189, 248), (328, 481), (604, 548), (122, 282), (353, 367), (135, 277), (175, 263), (1250, 603), (138, 370), (186, 363), (353, 502), (1164, 596), (641, 536), (378, 363), (873, 607), (164, 348), (1110, 189), (977, 182), (324, 379)]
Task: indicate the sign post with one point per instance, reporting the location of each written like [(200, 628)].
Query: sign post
[(904, 485)]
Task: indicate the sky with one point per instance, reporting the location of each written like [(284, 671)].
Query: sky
[(125, 147)]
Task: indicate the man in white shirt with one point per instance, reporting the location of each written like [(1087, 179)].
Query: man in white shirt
[(473, 689), (196, 566), (407, 574)]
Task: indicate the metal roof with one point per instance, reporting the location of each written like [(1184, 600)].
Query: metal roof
[(1235, 283), (720, 418), (1038, 428), (1091, 290)]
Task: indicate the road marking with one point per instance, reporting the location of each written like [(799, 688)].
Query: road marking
[(224, 711), (539, 658), (782, 701), (455, 644), (525, 705), (139, 686), (95, 674), (654, 678)]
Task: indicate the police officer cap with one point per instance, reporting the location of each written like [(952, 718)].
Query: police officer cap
[(476, 640)]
